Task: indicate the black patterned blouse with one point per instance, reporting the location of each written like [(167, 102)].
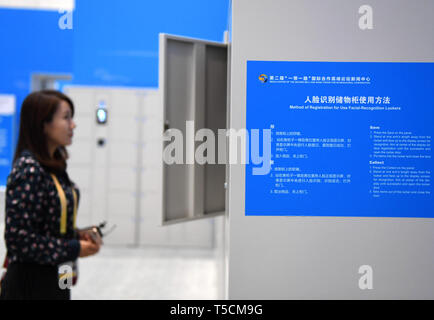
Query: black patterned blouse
[(33, 210)]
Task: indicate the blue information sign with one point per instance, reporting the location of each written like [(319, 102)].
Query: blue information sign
[(7, 119), (347, 138)]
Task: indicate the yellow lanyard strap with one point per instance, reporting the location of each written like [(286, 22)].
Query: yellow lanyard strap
[(62, 197)]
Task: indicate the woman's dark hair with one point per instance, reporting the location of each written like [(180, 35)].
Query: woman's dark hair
[(38, 108)]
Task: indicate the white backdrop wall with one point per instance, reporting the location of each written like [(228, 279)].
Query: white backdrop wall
[(319, 257)]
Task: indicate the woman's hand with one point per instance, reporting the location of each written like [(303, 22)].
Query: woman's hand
[(88, 248), (90, 235), (84, 235)]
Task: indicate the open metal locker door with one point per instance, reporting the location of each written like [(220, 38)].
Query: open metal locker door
[(193, 84)]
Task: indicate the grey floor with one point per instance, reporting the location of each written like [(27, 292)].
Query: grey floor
[(147, 273)]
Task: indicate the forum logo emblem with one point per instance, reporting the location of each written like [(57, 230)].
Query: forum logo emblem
[(263, 78)]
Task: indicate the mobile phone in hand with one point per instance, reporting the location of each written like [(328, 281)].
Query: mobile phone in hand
[(95, 235)]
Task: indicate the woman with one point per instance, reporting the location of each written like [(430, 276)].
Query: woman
[(40, 229)]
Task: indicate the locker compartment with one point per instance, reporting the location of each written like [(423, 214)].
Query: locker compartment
[(84, 126), (83, 100), (99, 194), (124, 152), (151, 153), (84, 213), (122, 212), (152, 127), (123, 178), (152, 104), (81, 175), (126, 102), (125, 128), (100, 147), (122, 203), (193, 79), (151, 181)]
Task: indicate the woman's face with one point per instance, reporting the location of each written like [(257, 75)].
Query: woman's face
[(59, 131)]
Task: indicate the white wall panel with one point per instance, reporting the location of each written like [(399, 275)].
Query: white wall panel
[(84, 128), (124, 232), (124, 152), (123, 178), (122, 212), (152, 106), (292, 257), (121, 203), (125, 128), (99, 194), (84, 213), (81, 151), (81, 175), (153, 128), (152, 153), (83, 100), (128, 102)]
